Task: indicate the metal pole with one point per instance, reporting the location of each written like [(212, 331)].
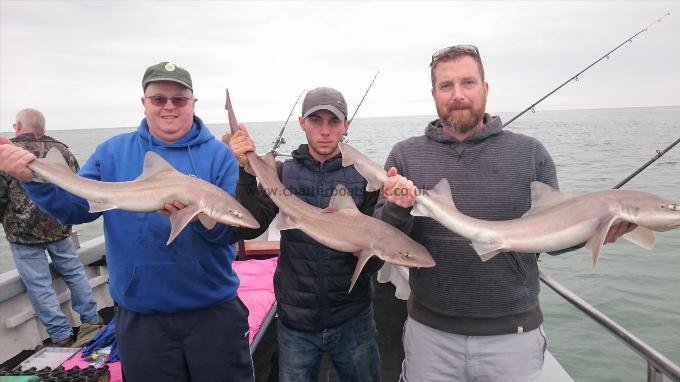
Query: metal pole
[(657, 361)]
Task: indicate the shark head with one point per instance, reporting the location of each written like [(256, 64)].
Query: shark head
[(406, 252), (657, 214), (237, 216)]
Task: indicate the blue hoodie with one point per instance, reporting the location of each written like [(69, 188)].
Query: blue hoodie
[(146, 276)]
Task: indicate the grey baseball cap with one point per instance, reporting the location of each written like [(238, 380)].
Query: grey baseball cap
[(324, 98), (167, 71)]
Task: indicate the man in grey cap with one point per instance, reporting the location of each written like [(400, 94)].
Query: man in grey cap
[(316, 314), (178, 314)]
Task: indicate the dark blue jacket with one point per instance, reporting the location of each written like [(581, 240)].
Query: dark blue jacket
[(312, 280)]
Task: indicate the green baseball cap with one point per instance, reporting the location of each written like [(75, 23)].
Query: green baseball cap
[(167, 71)]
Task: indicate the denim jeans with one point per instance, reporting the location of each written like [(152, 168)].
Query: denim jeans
[(352, 347), (34, 271)]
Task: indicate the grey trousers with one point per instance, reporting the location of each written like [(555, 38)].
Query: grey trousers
[(434, 355)]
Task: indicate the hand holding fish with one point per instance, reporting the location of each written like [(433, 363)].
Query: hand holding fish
[(171, 208), (399, 190), (14, 160), (240, 143)]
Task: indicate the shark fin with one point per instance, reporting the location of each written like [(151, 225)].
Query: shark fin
[(350, 157), (486, 251), (285, 222), (597, 240), (442, 191), (362, 258), (55, 156), (341, 200), (544, 196), (100, 207), (153, 164), (180, 219), (644, 237), (207, 221)]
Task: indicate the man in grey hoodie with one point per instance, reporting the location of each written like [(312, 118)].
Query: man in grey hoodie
[(468, 319)]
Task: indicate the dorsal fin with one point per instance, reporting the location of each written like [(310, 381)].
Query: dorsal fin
[(153, 164), (442, 191), (341, 199), (55, 156), (544, 196)]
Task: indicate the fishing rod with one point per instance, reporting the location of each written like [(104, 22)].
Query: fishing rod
[(362, 98), (280, 140), (658, 155), (575, 77)]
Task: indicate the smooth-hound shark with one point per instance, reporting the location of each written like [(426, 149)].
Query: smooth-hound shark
[(554, 222), (341, 226), (158, 184)]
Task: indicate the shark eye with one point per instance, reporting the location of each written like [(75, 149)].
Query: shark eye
[(674, 207), (405, 254), (237, 214)]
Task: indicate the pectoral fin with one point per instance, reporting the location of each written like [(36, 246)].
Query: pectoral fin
[(362, 258), (100, 207), (486, 251), (207, 221), (285, 222), (644, 237), (180, 219), (597, 240)]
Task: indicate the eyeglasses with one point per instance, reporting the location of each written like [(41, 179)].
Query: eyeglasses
[(14, 125), (159, 100), (455, 50)]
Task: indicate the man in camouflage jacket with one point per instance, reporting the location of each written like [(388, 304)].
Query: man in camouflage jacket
[(30, 232)]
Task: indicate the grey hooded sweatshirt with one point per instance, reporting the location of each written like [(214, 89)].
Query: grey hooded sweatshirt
[(490, 175)]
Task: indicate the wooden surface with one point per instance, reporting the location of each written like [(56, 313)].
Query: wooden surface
[(255, 248)]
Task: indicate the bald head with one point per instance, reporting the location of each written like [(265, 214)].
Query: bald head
[(30, 121)]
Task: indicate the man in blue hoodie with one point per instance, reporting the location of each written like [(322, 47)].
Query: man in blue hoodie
[(178, 315)]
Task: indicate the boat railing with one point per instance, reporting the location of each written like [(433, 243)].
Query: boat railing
[(657, 364)]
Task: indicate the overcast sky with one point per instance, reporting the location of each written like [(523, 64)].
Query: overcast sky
[(81, 62)]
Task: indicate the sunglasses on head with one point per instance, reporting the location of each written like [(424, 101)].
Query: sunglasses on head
[(159, 100), (455, 49)]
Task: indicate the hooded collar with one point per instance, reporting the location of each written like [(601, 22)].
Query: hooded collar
[(198, 134), (492, 126), (301, 154)]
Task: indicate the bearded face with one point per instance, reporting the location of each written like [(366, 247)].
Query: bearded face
[(461, 117)]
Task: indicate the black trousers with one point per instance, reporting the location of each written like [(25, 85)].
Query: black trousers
[(205, 345)]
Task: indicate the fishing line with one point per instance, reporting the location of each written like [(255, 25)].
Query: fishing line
[(362, 98), (280, 140), (575, 77)]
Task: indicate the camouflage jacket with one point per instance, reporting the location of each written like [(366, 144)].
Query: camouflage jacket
[(24, 223)]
